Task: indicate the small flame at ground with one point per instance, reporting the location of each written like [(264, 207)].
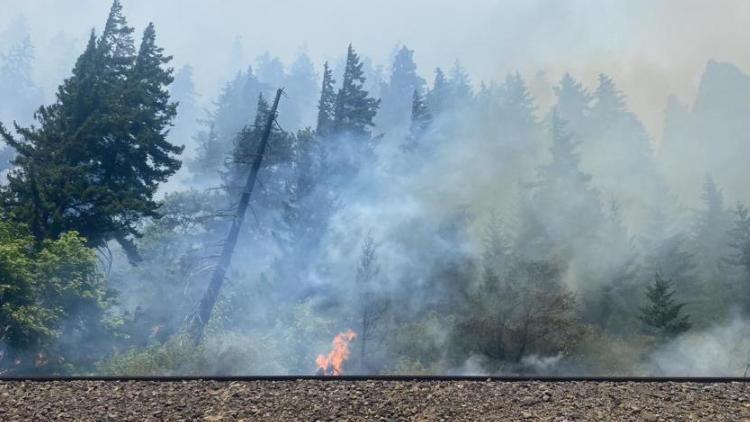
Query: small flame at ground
[(333, 364)]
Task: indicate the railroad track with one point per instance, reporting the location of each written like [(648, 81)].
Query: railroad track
[(398, 378), (355, 398)]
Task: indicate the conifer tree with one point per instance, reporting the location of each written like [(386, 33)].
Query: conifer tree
[(740, 256), (235, 108), (421, 119), (209, 154), (573, 102), (516, 108), (562, 186), (397, 101), (662, 314), (98, 154), (327, 103), (183, 93), (116, 45), (437, 97), (461, 92), (710, 236), (301, 85), (355, 110)]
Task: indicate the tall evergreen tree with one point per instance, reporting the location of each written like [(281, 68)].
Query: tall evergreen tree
[(711, 233), (355, 110), (94, 162), (270, 72), (397, 101), (561, 186), (209, 154), (301, 87), (327, 103), (617, 152), (461, 92), (740, 257), (183, 93), (710, 245), (437, 97), (235, 107), (421, 119), (573, 103)]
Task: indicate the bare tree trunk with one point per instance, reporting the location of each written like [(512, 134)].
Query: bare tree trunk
[(208, 301)]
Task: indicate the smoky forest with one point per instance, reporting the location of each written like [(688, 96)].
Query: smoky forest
[(271, 200)]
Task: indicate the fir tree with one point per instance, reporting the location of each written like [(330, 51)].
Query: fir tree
[(573, 102), (610, 101), (421, 119), (235, 107), (516, 108), (562, 186), (437, 97), (94, 162), (710, 236), (183, 93), (355, 110), (301, 86), (116, 46), (461, 92), (394, 111), (270, 72), (740, 256), (209, 154), (662, 314), (327, 103)]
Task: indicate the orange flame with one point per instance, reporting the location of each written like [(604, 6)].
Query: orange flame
[(333, 364)]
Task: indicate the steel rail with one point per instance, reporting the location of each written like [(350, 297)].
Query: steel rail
[(364, 378)]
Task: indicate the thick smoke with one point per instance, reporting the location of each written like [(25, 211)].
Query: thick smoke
[(571, 203)]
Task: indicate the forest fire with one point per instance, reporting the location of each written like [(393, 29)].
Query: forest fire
[(333, 363)]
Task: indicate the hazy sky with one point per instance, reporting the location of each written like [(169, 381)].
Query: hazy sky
[(651, 47)]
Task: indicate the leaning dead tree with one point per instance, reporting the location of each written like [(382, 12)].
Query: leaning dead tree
[(208, 301)]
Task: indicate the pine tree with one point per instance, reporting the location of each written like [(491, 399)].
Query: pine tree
[(617, 152), (740, 257), (209, 154), (516, 108), (394, 111), (183, 93), (355, 110), (437, 97), (461, 92), (270, 72), (94, 162), (301, 86), (610, 101), (235, 107), (710, 236), (421, 120), (327, 103), (561, 186), (573, 102), (278, 154), (116, 45), (662, 314)]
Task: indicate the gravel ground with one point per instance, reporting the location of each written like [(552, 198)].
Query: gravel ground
[(372, 400)]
